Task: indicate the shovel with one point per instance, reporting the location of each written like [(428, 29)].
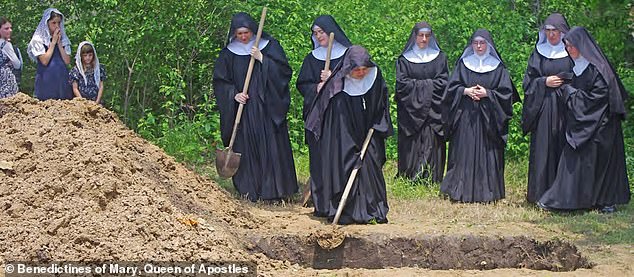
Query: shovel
[(334, 238), (331, 39), (227, 161), (353, 175)]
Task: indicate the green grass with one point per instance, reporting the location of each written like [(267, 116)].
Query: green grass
[(422, 199), (617, 228), (403, 188)]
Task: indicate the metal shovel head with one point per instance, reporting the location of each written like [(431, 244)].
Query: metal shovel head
[(227, 162)]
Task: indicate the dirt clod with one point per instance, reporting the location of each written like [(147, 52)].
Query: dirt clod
[(329, 238)]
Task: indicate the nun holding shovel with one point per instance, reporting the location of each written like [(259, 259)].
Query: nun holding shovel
[(329, 45), (253, 112), (350, 121)]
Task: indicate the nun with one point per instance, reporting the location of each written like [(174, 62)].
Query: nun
[(421, 77), (312, 77), (50, 49), (267, 170), (477, 107), (353, 101), (549, 66), (591, 171)]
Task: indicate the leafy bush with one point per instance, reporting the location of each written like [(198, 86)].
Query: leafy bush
[(159, 54)]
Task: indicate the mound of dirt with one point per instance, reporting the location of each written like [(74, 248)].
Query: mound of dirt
[(77, 185)]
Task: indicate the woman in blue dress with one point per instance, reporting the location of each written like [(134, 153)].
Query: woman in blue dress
[(50, 48), (87, 77)]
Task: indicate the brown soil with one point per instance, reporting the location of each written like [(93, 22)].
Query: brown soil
[(81, 186), (433, 252), (77, 185)]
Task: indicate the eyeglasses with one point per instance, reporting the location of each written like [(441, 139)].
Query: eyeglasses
[(476, 43)]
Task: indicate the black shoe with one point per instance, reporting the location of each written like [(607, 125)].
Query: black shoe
[(607, 209), (544, 207)]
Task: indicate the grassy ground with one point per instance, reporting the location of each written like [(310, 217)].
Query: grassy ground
[(422, 200)]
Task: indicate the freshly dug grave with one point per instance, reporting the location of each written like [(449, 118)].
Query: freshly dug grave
[(77, 185), (375, 251)]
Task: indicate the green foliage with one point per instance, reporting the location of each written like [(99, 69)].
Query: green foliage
[(383, 28), (159, 54)]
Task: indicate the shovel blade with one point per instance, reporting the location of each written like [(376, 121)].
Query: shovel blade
[(227, 162)]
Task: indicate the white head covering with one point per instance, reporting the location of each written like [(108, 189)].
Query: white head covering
[(242, 49), (554, 21), (341, 43), (425, 55), (548, 50), (42, 36), (581, 64), (244, 20), (80, 65), (489, 61), (319, 52), (591, 53), (356, 87)]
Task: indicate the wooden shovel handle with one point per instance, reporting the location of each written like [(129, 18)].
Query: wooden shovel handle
[(353, 175), (331, 39), (245, 88)]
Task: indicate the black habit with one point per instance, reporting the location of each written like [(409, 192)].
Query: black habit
[(477, 130), (267, 169), (340, 120), (307, 81), (542, 113), (420, 83), (591, 171)]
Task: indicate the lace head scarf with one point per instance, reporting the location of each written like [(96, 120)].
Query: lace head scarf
[(80, 64), (43, 36)]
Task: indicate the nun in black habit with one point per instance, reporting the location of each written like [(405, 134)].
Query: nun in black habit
[(421, 77), (267, 170), (311, 78), (353, 100), (591, 172), (542, 113), (477, 106)]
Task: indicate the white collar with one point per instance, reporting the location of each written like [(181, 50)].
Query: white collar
[(417, 55), (241, 49), (356, 87), (581, 64), (481, 64), (337, 51), (552, 51)]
